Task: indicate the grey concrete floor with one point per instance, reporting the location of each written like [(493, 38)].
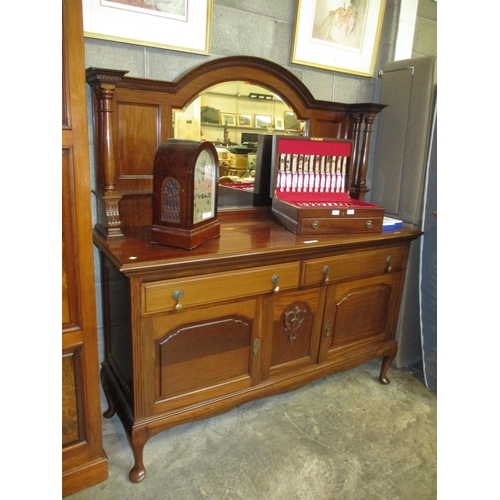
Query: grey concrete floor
[(345, 436)]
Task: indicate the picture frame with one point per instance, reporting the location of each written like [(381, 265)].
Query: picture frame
[(279, 124), (244, 120), (291, 122), (185, 27), (263, 121), (330, 35), (210, 115), (228, 118)]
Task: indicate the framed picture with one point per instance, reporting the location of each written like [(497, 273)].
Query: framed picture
[(244, 120), (209, 115), (291, 121), (279, 124), (228, 118), (262, 121), (339, 35), (184, 25)]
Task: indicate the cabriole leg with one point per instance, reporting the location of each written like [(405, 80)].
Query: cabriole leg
[(386, 362), (105, 387), (138, 439)]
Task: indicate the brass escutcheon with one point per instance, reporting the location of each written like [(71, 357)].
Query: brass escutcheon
[(255, 347), (327, 329)]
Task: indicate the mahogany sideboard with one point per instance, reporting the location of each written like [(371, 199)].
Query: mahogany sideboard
[(255, 312)]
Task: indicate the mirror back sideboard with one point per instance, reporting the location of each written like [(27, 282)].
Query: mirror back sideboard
[(133, 116)]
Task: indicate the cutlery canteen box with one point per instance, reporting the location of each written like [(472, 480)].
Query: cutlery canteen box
[(309, 187)]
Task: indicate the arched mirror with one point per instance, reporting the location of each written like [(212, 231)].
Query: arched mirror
[(233, 115)]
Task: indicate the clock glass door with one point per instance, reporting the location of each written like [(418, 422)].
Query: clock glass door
[(205, 183)]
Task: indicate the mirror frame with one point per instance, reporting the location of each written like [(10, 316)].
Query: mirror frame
[(133, 116)]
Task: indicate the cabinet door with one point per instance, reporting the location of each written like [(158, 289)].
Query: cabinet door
[(359, 314), (295, 326), (200, 354), (83, 460)]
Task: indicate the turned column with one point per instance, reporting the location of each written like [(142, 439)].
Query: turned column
[(356, 153), (103, 83), (109, 222), (361, 187), (362, 118)]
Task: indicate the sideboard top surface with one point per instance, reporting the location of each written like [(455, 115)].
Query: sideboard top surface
[(242, 244)]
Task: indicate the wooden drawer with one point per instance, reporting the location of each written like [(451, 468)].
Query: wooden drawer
[(158, 296), (354, 265), (366, 223)]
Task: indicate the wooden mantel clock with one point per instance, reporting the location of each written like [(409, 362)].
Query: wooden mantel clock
[(185, 189)]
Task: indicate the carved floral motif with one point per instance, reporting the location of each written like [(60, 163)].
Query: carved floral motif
[(293, 321)]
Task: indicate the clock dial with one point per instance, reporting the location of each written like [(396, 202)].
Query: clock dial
[(204, 187)]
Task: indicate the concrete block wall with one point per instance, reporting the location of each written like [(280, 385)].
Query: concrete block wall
[(425, 38), (257, 28), (265, 29)]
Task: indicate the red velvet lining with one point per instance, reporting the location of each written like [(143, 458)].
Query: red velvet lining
[(312, 147), (247, 186), (314, 200), (296, 197)]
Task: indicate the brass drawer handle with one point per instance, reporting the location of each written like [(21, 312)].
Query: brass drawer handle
[(368, 224), (326, 272), (315, 224), (177, 296), (275, 280), (389, 264)]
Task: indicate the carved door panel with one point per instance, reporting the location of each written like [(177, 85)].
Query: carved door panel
[(207, 353), (359, 313), (295, 327)]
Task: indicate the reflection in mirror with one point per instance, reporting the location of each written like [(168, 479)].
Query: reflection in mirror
[(232, 115)]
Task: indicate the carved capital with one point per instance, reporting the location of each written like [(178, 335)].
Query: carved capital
[(98, 76)]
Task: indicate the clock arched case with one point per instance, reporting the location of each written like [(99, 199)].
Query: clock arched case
[(185, 191)]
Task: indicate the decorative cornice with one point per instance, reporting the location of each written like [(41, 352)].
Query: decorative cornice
[(97, 75), (238, 66)]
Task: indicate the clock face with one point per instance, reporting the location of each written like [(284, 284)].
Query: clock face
[(205, 183)]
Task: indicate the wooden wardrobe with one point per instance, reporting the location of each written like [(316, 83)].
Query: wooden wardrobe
[(84, 462)]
